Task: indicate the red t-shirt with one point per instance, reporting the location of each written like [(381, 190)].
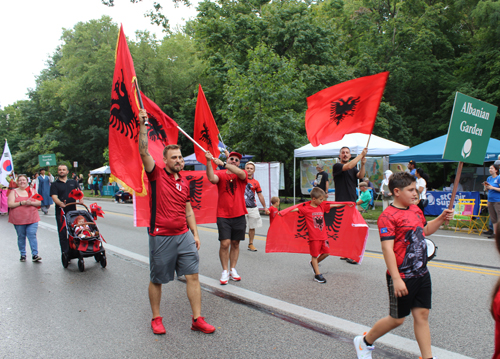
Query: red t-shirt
[(273, 211), (168, 198), (231, 195), (315, 220), (406, 228), (252, 187)]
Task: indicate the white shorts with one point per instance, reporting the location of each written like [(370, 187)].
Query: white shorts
[(253, 218)]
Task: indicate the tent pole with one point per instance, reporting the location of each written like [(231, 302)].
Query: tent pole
[(293, 177)]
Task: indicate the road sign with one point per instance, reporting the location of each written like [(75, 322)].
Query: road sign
[(75, 164), (470, 130), (47, 160)]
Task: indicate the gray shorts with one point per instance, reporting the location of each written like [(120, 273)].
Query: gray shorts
[(169, 254)]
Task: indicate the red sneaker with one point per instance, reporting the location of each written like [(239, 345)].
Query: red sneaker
[(157, 325), (202, 326)]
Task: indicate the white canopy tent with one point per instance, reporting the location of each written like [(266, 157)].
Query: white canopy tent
[(356, 142), (104, 170)]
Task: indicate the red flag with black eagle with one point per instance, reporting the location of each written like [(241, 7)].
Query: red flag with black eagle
[(349, 107), (346, 231), (124, 158), (205, 130)]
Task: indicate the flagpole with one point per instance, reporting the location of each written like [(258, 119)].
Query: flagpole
[(146, 122), (225, 148), (369, 137), (192, 140)]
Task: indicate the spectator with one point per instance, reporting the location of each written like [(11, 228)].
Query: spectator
[(492, 184), (122, 196), (42, 185), (364, 197), (421, 189), (90, 181), (321, 180), (460, 188), (387, 196), (24, 216)]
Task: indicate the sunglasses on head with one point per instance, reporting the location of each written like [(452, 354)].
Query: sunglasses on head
[(234, 159)]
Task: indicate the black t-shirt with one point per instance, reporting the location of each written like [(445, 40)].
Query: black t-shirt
[(345, 183), (62, 191), (322, 181)]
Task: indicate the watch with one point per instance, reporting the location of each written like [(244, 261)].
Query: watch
[(225, 163)]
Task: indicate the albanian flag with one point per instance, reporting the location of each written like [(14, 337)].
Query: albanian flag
[(349, 107), (346, 231), (205, 130), (124, 158), (37, 197), (162, 130), (204, 196)]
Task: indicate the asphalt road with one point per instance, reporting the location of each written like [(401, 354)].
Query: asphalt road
[(276, 311)]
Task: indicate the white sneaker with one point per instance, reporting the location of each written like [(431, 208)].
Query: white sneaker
[(224, 277), (362, 350), (234, 275)]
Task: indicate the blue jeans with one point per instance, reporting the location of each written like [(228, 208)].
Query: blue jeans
[(27, 230)]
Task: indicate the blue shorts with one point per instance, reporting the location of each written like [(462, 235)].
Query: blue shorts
[(169, 254)]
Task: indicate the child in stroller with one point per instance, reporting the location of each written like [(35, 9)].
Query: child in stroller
[(84, 239)]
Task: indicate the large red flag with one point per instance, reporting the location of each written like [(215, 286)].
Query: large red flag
[(349, 107), (124, 158), (205, 130), (347, 232)]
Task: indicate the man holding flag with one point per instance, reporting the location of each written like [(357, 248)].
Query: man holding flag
[(231, 210), (173, 235)]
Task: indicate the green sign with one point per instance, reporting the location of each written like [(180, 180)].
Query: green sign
[(470, 130), (47, 160)]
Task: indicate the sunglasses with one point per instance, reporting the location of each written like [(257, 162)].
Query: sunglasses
[(236, 159)]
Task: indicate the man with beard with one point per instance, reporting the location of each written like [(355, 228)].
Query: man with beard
[(173, 247), (59, 191), (346, 175)]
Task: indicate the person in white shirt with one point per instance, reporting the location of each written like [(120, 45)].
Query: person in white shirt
[(421, 189), (460, 188)]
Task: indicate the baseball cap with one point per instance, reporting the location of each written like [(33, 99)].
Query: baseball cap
[(236, 154)]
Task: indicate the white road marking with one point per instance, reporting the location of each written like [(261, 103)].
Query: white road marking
[(394, 341)]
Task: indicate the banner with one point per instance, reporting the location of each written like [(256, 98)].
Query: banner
[(6, 165), (349, 107), (346, 230)]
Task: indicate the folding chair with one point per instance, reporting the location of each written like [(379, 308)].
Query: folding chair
[(481, 221), (464, 213)]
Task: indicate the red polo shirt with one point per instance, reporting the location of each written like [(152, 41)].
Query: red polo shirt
[(168, 198), (231, 195)]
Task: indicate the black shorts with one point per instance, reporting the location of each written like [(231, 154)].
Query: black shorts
[(419, 296), (232, 228)]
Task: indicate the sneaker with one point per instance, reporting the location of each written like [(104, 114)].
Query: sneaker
[(234, 275), (343, 258), (157, 325), (362, 350), (319, 278), (202, 326), (23, 259), (252, 248), (224, 277), (489, 232), (36, 258), (351, 261)]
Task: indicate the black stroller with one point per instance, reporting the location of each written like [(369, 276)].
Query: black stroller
[(84, 240)]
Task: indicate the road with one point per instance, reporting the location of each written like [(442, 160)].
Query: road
[(276, 311)]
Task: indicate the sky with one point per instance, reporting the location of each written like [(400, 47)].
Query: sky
[(30, 31)]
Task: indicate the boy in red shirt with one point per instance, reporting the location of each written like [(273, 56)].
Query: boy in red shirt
[(273, 210), (314, 213), (402, 229)]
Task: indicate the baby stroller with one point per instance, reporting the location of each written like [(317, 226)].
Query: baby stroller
[(83, 243)]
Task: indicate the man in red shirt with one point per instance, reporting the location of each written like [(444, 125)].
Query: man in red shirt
[(231, 210), (253, 217), (172, 246)]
